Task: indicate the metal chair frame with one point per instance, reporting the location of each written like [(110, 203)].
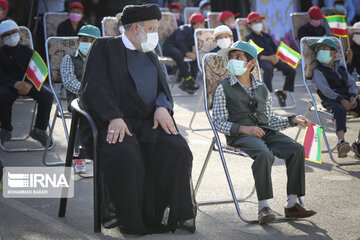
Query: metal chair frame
[(26, 99), (191, 10), (216, 141), (59, 112), (103, 24), (77, 112), (44, 20), (312, 105)]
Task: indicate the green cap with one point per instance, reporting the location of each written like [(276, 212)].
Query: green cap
[(326, 41), (89, 31), (239, 45)]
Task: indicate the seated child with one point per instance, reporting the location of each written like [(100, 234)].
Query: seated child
[(337, 90), (242, 111)]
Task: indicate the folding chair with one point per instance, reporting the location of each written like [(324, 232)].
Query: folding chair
[(213, 19), (25, 39), (308, 66), (52, 21), (204, 43), (243, 31), (56, 48), (109, 26), (214, 72), (77, 112), (188, 11)]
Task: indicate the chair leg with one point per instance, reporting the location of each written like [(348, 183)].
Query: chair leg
[(69, 156), (194, 114), (50, 138)]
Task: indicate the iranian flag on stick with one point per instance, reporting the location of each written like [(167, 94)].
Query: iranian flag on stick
[(37, 71), (337, 24), (312, 143), (288, 55)]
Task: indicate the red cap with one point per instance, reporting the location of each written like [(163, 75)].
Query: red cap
[(4, 4), (175, 5), (76, 5), (197, 17), (315, 13), (226, 14), (253, 16)]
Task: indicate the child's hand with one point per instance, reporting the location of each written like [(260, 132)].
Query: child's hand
[(251, 130), (346, 104), (302, 121)]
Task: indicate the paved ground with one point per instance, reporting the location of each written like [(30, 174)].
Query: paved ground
[(332, 191)]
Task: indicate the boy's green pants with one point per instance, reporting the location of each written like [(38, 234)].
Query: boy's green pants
[(263, 151)]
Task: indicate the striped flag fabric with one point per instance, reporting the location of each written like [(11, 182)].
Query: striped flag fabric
[(37, 71), (337, 24), (312, 143), (258, 49), (288, 55)]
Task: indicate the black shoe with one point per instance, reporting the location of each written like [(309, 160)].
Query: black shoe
[(5, 135), (187, 86), (356, 148), (281, 97), (40, 136)]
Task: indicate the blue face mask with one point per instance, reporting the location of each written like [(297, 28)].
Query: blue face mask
[(236, 67), (323, 56), (84, 47), (339, 8)]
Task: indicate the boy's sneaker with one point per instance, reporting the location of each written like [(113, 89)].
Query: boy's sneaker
[(79, 165), (281, 97), (40, 136), (5, 135), (343, 148), (356, 148)]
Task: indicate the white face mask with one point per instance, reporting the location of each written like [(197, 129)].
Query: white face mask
[(12, 40), (151, 41), (224, 42), (121, 29), (84, 47), (257, 27), (356, 39)]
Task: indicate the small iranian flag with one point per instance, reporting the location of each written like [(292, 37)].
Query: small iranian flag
[(288, 55), (37, 71), (258, 49), (312, 143), (337, 24)]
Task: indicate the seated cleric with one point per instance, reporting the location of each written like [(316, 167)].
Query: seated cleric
[(144, 163)]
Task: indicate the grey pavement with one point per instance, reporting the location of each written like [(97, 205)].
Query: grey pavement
[(331, 190)]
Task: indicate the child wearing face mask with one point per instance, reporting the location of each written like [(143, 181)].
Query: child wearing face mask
[(72, 25), (71, 70), (267, 58), (223, 36), (205, 7), (313, 28), (242, 111), (337, 90), (14, 60), (355, 64), (228, 18), (176, 9)]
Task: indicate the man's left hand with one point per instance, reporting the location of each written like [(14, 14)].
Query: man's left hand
[(163, 118), (302, 121)]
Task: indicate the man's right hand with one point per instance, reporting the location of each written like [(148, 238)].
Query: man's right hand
[(22, 87), (251, 130), (116, 130), (346, 104)]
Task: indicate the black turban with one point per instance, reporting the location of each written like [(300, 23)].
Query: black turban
[(139, 13)]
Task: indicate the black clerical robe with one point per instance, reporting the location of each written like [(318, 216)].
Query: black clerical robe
[(148, 172)]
